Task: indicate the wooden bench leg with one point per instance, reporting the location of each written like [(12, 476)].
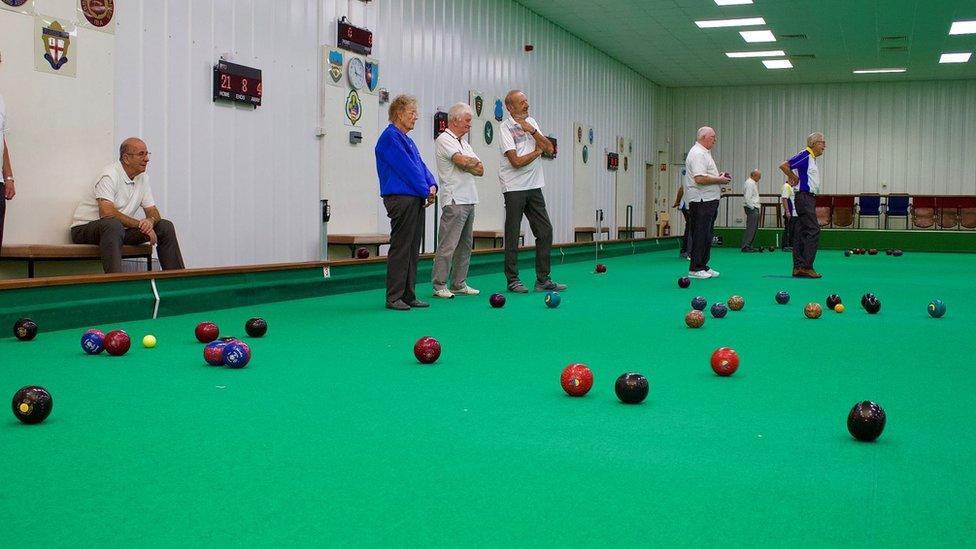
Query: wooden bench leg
[(30, 268), (149, 262)]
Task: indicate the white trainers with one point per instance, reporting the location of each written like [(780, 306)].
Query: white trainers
[(467, 290), (699, 274), (713, 273), (443, 292)]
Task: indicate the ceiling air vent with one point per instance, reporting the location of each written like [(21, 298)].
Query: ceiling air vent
[(803, 56), (894, 39), (792, 36), (894, 49)]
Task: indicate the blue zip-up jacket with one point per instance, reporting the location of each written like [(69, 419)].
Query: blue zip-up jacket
[(399, 166)]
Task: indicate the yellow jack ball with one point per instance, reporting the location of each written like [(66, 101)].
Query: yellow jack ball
[(839, 308), (149, 341)]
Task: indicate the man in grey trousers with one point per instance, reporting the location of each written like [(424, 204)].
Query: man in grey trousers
[(457, 166), (750, 203)]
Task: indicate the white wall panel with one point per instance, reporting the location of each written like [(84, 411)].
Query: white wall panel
[(243, 186), (910, 137)]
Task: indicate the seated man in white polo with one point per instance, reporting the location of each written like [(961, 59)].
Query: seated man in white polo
[(106, 215)]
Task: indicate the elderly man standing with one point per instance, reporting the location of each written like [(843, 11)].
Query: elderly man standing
[(457, 166), (804, 174), (703, 183), (520, 174), (105, 216), (750, 203), (7, 188)]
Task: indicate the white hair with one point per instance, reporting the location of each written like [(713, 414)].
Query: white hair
[(458, 110), (703, 132), (813, 138)]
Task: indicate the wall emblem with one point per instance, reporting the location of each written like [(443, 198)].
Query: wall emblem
[(335, 66), (579, 134), (15, 3), (586, 154), (56, 42), (591, 136), (479, 104), (489, 132), (98, 12), (354, 107), (499, 113), (372, 75)]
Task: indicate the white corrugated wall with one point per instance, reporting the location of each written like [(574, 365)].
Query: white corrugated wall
[(242, 185), (913, 137)]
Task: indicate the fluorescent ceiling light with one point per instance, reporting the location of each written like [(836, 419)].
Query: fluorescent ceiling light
[(767, 53), (877, 71), (777, 63), (732, 2), (741, 22), (955, 57), (963, 27), (758, 36)]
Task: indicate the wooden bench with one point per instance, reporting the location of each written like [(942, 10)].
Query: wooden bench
[(497, 237), (591, 231), (371, 240), (630, 232), (32, 253)]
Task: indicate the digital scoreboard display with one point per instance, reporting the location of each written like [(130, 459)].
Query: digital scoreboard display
[(354, 38), (237, 83)]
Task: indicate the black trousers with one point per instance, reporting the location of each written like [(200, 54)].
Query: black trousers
[(702, 216), (109, 234), (3, 210), (806, 231), (788, 221), (532, 204), (407, 218), (686, 238)]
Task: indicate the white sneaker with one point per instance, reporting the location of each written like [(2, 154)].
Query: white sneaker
[(713, 273), (699, 274), (467, 290), (443, 292)]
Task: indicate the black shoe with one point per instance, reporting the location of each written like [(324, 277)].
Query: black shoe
[(748, 250), (417, 304), (398, 305), (787, 248)]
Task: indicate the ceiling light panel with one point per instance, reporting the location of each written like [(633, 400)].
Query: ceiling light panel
[(757, 36), (767, 53), (955, 57), (777, 63), (963, 27), (878, 71), (740, 22), (732, 2)]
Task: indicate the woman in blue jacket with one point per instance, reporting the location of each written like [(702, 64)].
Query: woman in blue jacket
[(407, 187)]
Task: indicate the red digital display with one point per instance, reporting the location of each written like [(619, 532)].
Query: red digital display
[(237, 83), (613, 161), (354, 38)]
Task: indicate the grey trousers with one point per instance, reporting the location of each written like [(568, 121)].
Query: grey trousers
[(407, 217), (532, 204), (454, 249), (806, 231), (752, 223), (109, 234)]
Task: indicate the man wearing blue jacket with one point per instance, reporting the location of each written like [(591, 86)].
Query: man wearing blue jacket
[(407, 187)]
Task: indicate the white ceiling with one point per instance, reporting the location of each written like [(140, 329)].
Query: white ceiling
[(659, 38)]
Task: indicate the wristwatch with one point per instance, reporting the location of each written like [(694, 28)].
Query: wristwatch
[(534, 132)]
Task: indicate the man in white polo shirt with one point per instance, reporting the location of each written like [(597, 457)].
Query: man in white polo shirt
[(106, 215), (750, 204), (520, 174), (7, 186), (703, 184), (803, 173), (457, 166)]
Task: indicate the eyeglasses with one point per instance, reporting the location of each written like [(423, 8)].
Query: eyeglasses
[(141, 154)]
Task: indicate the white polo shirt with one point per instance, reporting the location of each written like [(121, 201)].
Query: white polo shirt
[(514, 138), (699, 162), (750, 194), (789, 194), (457, 186), (3, 127), (128, 195)]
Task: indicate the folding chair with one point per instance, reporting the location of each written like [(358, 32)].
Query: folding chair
[(897, 206), (823, 205), (868, 205), (923, 212), (842, 211), (947, 211), (967, 212)]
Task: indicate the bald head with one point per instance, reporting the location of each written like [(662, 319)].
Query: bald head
[(134, 156), (706, 137), (517, 104), (129, 145), (756, 175)]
